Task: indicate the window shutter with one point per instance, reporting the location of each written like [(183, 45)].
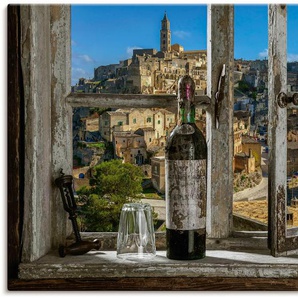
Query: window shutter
[(220, 59), (280, 240)]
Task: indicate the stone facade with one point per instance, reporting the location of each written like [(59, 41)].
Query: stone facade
[(135, 132), (161, 121), (130, 147), (247, 151), (158, 173), (110, 121), (241, 127), (150, 71), (148, 133), (244, 162), (251, 146)]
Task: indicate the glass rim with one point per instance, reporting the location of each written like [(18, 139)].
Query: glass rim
[(136, 206)]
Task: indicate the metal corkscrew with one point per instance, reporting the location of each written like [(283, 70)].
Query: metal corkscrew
[(64, 182)]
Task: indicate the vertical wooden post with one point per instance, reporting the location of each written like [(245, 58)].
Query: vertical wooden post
[(35, 41), (15, 141), (278, 241), (277, 80), (61, 114), (45, 48), (220, 51)]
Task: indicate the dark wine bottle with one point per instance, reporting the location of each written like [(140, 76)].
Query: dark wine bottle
[(186, 167)]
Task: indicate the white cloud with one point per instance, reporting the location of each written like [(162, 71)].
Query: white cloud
[(182, 34), (292, 57), (263, 54), (73, 43), (85, 58), (129, 50)]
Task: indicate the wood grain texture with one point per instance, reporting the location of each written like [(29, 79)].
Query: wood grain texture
[(277, 133), (220, 141), (129, 100), (156, 284), (61, 115)]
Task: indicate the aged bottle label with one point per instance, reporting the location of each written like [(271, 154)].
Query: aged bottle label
[(186, 194)]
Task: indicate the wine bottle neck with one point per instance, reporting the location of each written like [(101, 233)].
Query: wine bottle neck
[(186, 94), (187, 113)]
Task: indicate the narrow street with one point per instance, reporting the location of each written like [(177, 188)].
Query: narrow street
[(260, 191)]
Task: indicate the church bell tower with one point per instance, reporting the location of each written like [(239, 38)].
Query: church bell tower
[(165, 35)]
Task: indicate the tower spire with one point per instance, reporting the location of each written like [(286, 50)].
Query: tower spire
[(165, 34)]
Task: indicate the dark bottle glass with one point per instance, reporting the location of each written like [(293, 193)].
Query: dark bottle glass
[(186, 166)]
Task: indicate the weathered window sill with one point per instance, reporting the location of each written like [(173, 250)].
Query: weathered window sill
[(217, 263), (227, 262), (245, 256)]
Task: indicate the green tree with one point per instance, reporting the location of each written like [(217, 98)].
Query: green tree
[(243, 86), (117, 178), (114, 183)]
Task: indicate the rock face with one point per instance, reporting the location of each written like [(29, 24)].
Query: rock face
[(88, 156), (243, 180)]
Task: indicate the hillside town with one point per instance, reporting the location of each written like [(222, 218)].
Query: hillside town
[(138, 136), (149, 71)]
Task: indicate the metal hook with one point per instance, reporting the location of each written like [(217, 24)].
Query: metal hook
[(283, 99), (219, 95)]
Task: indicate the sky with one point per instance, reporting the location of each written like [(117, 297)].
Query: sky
[(105, 34)]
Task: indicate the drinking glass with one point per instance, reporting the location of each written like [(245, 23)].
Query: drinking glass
[(136, 238)]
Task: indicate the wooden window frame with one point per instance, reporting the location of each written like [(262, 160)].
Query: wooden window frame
[(280, 240), (32, 28)]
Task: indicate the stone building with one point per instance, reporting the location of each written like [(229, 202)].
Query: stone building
[(247, 151), (241, 126), (137, 118), (161, 121), (130, 147), (252, 147), (136, 132), (111, 121), (158, 173), (148, 133), (150, 71), (244, 162)]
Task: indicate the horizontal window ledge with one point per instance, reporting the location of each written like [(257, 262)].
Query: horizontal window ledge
[(104, 100), (247, 240), (230, 257), (217, 263)]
